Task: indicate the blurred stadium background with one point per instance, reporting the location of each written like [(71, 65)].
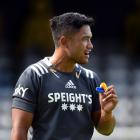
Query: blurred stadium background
[(25, 38)]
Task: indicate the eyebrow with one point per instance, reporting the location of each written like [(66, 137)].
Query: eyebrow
[(87, 36)]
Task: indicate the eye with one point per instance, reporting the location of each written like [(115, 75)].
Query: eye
[(87, 38)]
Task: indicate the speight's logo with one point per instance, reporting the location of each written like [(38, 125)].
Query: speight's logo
[(70, 101)]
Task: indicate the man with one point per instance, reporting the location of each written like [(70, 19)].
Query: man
[(56, 96)]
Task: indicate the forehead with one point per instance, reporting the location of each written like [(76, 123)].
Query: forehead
[(85, 31)]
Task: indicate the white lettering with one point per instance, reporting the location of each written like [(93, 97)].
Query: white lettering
[(72, 98), (78, 98), (63, 97), (20, 91), (56, 96), (69, 97), (51, 99), (90, 99), (83, 95)]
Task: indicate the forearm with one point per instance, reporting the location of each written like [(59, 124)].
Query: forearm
[(18, 134), (106, 123)]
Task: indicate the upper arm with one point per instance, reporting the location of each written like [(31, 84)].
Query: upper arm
[(21, 122), (21, 118), (23, 105), (26, 91)]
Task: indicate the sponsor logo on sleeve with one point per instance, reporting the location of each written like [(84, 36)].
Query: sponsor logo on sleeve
[(20, 91)]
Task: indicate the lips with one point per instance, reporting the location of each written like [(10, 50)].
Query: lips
[(86, 53)]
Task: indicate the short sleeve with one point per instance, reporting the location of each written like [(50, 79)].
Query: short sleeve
[(26, 90)]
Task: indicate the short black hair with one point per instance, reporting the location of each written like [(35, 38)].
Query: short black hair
[(67, 23)]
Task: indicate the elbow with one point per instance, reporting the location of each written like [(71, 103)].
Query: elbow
[(18, 134), (105, 132)]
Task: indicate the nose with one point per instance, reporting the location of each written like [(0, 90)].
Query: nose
[(90, 45)]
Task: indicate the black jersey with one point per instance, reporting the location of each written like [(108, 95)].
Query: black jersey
[(61, 102)]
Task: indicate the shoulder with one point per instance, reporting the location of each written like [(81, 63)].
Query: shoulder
[(38, 69), (87, 72), (90, 75)]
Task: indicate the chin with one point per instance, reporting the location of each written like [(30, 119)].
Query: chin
[(83, 62)]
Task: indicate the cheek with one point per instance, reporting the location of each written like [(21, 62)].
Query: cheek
[(71, 52), (84, 43), (80, 50), (79, 55), (76, 50), (68, 52)]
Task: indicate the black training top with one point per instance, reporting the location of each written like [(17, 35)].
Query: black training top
[(61, 102)]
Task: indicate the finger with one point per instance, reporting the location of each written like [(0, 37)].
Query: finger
[(108, 92), (102, 96), (111, 90), (110, 87), (114, 101), (111, 96)]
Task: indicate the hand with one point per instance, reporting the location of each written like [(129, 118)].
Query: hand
[(108, 99)]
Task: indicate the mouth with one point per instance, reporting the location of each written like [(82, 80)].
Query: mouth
[(87, 54)]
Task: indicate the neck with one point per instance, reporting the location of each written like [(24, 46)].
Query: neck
[(61, 61)]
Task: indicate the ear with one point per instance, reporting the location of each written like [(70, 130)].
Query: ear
[(63, 41)]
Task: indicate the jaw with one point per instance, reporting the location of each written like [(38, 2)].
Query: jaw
[(83, 60)]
